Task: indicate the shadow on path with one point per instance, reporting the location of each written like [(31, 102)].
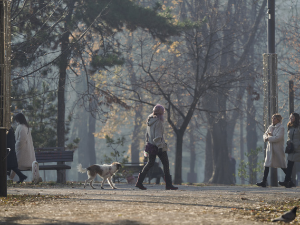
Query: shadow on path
[(158, 202), (18, 219)]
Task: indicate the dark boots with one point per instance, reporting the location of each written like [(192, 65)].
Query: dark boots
[(263, 183), (288, 183), (140, 180), (22, 177), (169, 185)]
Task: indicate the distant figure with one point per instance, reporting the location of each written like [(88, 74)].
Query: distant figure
[(12, 163), (156, 146), (24, 145), (232, 162), (293, 137)]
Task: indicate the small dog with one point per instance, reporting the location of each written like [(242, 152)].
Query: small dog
[(104, 171)]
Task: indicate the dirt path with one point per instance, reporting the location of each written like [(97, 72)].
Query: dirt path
[(128, 205)]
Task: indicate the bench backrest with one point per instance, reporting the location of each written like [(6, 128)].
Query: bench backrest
[(54, 156)]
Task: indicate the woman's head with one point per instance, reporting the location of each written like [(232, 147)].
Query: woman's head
[(158, 111), (276, 118), (20, 118), (294, 120)]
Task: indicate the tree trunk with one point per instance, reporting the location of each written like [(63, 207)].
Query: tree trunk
[(242, 151), (63, 64), (251, 122), (136, 135), (221, 173), (192, 176), (178, 158), (208, 170), (91, 139), (83, 151), (251, 133)]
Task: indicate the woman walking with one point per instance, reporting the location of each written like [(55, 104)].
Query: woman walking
[(156, 146), (12, 163), (275, 156), (24, 145), (294, 138)]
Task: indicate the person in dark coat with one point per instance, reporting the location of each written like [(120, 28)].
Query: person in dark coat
[(232, 163), (12, 163)]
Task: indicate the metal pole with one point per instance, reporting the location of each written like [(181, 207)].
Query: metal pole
[(5, 83), (270, 80), (271, 26)]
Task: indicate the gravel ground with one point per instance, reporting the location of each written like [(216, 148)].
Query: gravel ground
[(129, 205)]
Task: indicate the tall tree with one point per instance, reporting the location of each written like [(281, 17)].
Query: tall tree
[(66, 30)]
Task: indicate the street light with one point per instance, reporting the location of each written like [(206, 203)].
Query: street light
[(270, 79), (5, 83)]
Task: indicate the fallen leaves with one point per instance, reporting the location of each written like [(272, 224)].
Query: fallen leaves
[(17, 200), (268, 211)]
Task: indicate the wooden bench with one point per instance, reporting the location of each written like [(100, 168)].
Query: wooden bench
[(56, 155)]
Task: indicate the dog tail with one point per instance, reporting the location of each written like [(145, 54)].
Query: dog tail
[(80, 169)]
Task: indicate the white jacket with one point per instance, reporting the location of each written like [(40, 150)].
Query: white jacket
[(275, 156), (24, 147), (154, 133)]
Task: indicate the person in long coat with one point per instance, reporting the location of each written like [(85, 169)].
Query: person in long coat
[(275, 156), (293, 137), (12, 163), (24, 145)]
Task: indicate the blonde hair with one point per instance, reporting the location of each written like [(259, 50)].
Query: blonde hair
[(277, 116)]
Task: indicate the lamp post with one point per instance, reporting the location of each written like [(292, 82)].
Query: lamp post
[(270, 79)]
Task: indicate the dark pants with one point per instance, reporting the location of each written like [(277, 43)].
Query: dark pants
[(288, 171), (18, 172), (164, 160)]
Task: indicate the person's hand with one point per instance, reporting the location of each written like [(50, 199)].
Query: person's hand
[(159, 151)]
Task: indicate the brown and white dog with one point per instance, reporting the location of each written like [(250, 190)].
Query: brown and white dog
[(104, 171)]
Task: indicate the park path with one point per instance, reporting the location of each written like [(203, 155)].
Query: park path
[(128, 205)]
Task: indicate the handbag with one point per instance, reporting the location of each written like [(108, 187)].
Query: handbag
[(290, 146), (151, 149)]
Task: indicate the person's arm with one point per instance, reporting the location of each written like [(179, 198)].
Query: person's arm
[(158, 139), (21, 137), (278, 137), (266, 135)]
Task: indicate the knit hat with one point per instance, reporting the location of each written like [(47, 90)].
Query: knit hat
[(158, 110)]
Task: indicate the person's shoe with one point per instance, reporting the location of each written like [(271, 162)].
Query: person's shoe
[(292, 184), (139, 183), (289, 184), (169, 185), (282, 183), (22, 179), (262, 184), (140, 186)]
